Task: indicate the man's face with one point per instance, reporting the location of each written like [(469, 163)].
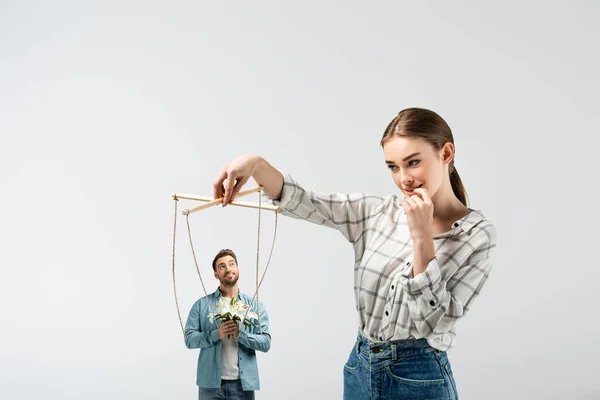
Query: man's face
[(226, 271)]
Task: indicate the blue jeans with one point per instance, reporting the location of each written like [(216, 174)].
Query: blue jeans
[(230, 390), (405, 369)]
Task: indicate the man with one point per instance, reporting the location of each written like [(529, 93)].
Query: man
[(227, 367)]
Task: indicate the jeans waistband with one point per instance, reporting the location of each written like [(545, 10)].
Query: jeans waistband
[(394, 349)]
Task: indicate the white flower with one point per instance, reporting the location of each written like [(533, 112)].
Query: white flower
[(243, 311), (237, 310), (223, 306)]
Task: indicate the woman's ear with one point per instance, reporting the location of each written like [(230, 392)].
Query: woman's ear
[(447, 153)]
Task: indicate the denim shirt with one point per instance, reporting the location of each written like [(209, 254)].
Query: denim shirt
[(201, 334)]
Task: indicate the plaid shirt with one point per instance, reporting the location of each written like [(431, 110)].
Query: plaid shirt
[(391, 303)]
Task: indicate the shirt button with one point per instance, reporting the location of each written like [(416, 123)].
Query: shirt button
[(380, 337), (392, 287), (386, 313), (456, 224), (431, 303)]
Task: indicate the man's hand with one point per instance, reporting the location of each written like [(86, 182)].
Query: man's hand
[(229, 328)]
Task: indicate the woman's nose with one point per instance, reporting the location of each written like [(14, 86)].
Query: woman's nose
[(406, 179)]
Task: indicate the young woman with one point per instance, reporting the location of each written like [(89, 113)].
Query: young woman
[(421, 260)]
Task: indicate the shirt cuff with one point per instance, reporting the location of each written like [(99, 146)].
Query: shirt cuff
[(288, 190), (428, 284), (214, 335)]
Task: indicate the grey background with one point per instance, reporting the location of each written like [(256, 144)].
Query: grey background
[(106, 108)]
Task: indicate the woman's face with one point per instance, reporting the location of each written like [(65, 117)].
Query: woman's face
[(415, 163)]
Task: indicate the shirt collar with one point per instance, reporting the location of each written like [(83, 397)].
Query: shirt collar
[(220, 294), (469, 221)]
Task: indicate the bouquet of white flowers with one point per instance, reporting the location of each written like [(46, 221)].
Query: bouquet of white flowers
[(233, 310)]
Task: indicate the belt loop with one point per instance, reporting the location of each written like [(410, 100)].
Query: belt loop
[(358, 344), (394, 354)]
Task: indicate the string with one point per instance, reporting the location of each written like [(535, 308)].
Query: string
[(258, 283)]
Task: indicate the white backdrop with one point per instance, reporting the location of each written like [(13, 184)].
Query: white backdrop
[(107, 108)]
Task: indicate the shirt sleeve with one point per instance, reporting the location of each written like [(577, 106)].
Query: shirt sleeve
[(195, 338), (434, 304), (255, 340), (347, 213)]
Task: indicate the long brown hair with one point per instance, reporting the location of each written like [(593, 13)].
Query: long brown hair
[(427, 125)]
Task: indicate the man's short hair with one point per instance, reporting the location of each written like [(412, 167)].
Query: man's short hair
[(223, 253)]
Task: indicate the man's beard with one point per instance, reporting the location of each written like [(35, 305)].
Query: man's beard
[(227, 283)]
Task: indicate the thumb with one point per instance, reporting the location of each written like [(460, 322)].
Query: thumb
[(238, 186), (229, 190)]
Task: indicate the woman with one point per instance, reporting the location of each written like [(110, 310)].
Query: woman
[(420, 261)]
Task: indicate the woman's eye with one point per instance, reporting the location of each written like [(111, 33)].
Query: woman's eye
[(393, 168), (412, 163)]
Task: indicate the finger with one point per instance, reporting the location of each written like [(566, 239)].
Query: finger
[(410, 202), (229, 189), (405, 205), (424, 195), (218, 185), (238, 186), (418, 201)]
